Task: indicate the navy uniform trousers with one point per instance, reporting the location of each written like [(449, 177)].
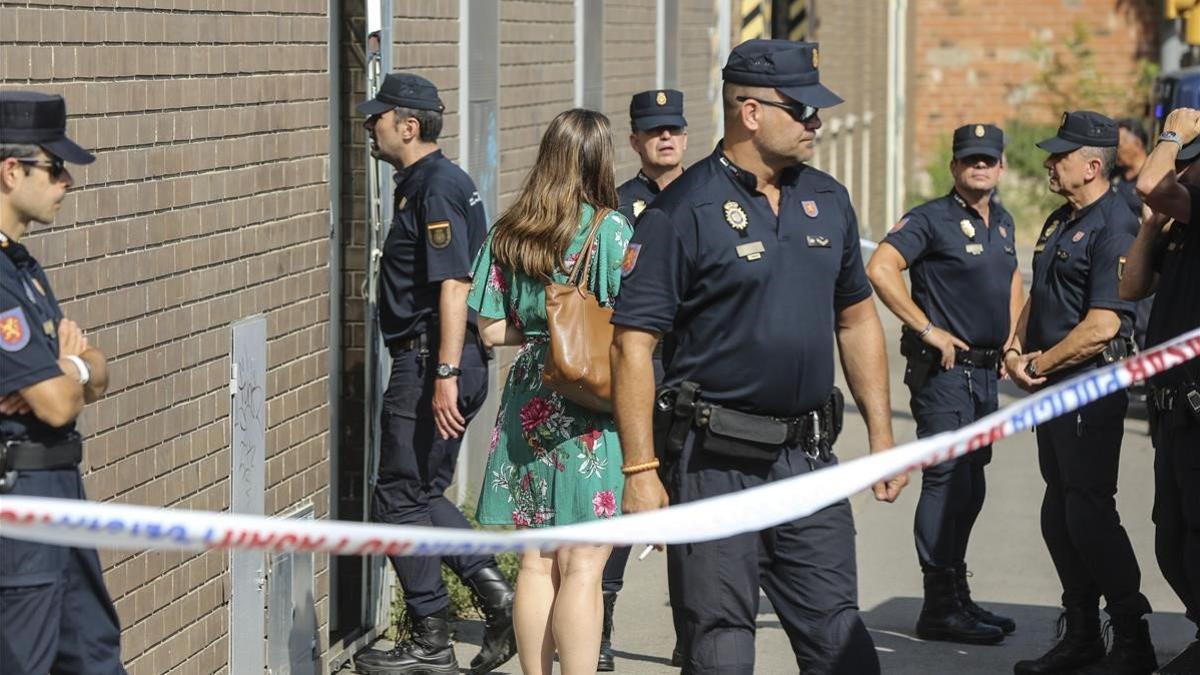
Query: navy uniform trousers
[(416, 465), (1079, 454), (806, 568), (55, 613), (952, 492), (1177, 505)]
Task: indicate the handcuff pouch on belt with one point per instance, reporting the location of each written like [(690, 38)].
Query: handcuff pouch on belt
[(738, 435), (1117, 348)]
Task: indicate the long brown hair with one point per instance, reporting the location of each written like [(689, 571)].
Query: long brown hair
[(574, 166)]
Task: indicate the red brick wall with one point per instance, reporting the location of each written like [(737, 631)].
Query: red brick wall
[(971, 59)]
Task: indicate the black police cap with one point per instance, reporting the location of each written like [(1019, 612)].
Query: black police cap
[(657, 108), (1189, 152), (403, 90), (978, 139), (1082, 128), (33, 118), (790, 67)]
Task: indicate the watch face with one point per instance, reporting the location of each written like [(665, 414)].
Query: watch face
[(443, 370)]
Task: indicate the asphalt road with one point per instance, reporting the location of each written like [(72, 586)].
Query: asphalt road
[(1012, 571)]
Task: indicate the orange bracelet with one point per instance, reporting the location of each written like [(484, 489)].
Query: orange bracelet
[(638, 468)]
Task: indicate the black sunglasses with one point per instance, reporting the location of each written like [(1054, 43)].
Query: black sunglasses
[(54, 165), (801, 112)]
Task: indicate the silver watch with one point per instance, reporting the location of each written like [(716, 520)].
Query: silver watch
[(1170, 137)]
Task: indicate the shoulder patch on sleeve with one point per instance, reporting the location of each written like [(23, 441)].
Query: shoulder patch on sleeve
[(438, 233), (630, 260), (900, 225), (14, 330)]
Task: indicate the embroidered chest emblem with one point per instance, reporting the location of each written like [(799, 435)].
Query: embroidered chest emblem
[(735, 216), (810, 208)]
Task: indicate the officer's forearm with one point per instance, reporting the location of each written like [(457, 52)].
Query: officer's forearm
[(452, 312), (1016, 307), (1137, 280), (889, 284), (1158, 185), (98, 375), (864, 361), (1084, 342), (633, 393)]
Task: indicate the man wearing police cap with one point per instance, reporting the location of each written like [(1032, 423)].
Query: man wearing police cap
[(55, 613), (659, 137), (960, 251), (1163, 260), (753, 232), (1075, 321), (439, 374)]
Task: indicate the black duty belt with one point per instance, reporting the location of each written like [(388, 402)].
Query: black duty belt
[(1177, 397), (984, 359), (31, 456), (423, 341), (744, 435)]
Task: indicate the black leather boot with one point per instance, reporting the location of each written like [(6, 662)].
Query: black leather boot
[(427, 652), (1080, 644), (494, 595), (964, 596), (1132, 652), (606, 663), (943, 617)]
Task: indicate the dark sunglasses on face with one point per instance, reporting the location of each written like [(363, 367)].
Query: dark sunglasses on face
[(801, 112), (55, 166), (989, 162)]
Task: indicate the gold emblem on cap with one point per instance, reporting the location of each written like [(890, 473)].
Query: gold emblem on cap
[(639, 205), (735, 216), (816, 58), (661, 99), (979, 131), (967, 228)]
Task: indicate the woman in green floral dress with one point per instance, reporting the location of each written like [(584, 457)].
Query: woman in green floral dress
[(552, 462)]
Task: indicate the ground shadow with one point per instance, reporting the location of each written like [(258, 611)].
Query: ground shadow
[(901, 652)]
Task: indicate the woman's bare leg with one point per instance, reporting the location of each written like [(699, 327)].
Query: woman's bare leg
[(537, 585), (578, 608)]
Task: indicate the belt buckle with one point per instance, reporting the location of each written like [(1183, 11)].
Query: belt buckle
[(7, 478)]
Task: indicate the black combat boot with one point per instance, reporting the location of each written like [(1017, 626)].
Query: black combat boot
[(1080, 646), (964, 596), (428, 651), (944, 618), (494, 596), (1132, 652), (606, 663)]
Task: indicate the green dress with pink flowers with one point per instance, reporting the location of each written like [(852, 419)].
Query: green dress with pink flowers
[(550, 461)]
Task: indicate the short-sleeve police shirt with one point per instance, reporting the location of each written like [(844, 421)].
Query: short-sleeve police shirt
[(1075, 268), (960, 267), (749, 298), (1127, 191), (438, 227), (1176, 309), (635, 195), (29, 317)]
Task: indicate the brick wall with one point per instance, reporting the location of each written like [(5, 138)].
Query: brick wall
[(207, 204), (971, 59)]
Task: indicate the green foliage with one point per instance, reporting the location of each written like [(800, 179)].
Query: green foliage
[(462, 600)]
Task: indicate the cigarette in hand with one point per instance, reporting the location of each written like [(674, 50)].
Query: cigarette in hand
[(646, 552)]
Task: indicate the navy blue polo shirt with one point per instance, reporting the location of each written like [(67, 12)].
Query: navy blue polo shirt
[(635, 195), (749, 298), (960, 267), (1127, 191), (1075, 268), (438, 226), (29, 316), (1176, 309)]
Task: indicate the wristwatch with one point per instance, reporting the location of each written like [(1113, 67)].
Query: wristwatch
[(1031, 369), (1170, 137), (446, 371)]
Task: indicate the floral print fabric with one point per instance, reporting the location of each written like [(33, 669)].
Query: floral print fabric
[(550, 461)]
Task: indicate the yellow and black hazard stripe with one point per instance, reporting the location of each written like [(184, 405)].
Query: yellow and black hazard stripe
[(782, 19)]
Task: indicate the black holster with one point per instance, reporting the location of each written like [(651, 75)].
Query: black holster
[(922, 361)]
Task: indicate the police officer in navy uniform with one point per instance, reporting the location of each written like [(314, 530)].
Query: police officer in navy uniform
[(55, 613), (747, 233), (439, 374), (659, 137), (1074, 321), (1132, 145), (1165, 260), (967, 295)]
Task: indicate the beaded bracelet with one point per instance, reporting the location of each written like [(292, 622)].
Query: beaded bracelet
[(638, 468)]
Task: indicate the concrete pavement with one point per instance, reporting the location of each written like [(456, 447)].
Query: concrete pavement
[(1012, 571)]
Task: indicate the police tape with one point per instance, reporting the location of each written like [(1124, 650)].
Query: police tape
[(79, 523)]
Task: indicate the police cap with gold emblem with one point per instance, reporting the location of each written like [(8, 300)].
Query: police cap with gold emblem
[(656, 108), (973, 140), (787, 66)]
